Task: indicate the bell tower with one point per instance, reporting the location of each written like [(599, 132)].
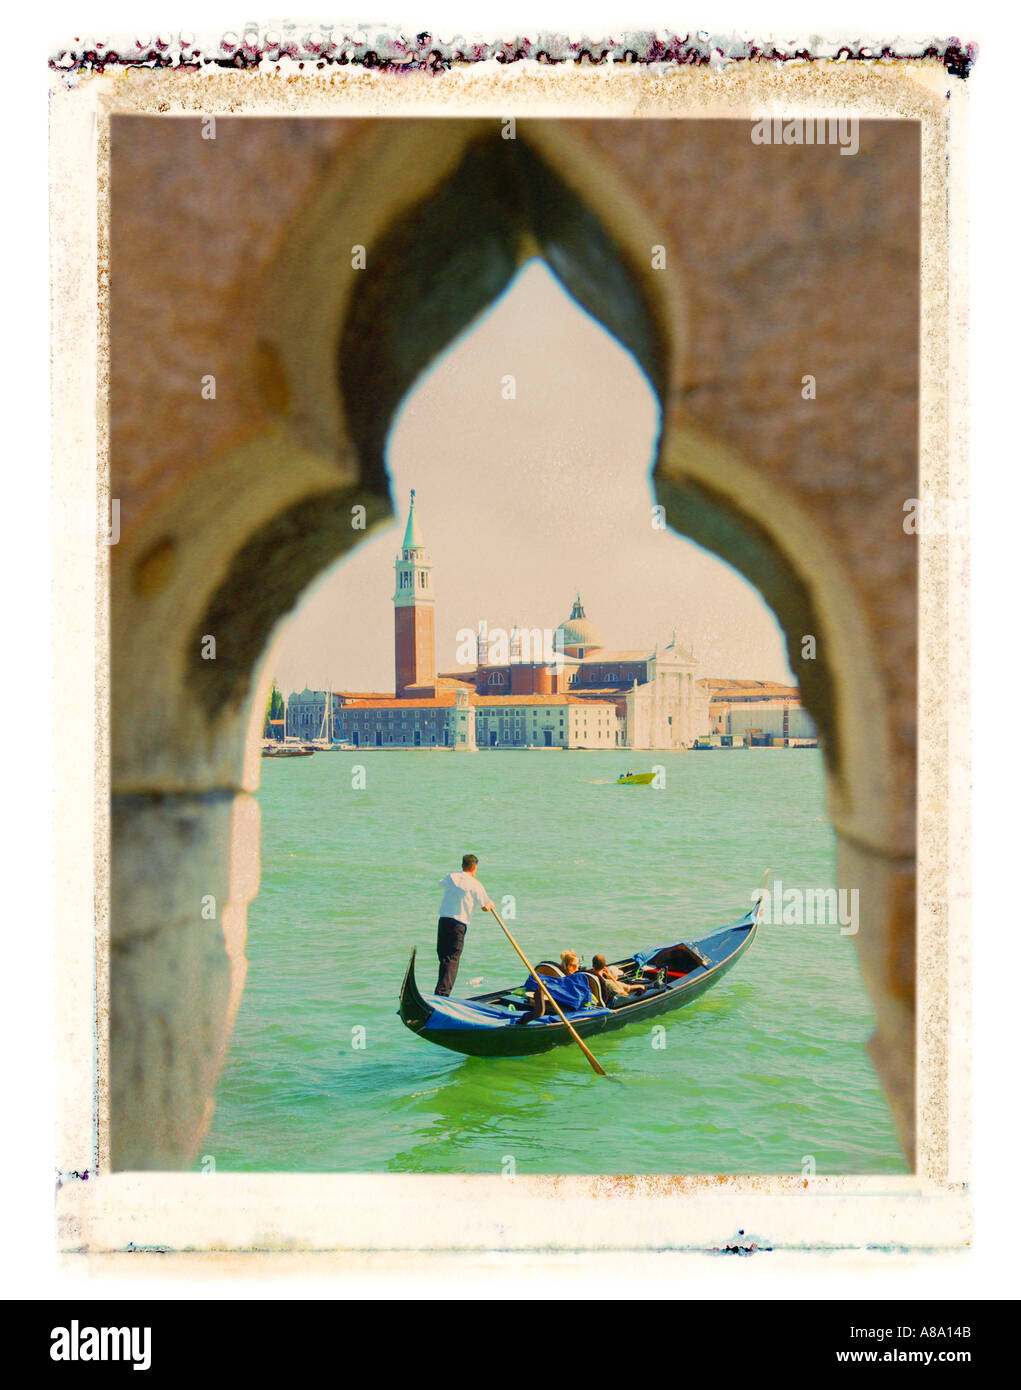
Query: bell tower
[(414, 629)]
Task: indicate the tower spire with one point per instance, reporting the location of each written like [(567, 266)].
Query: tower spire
[(414, 639), (412, 535)]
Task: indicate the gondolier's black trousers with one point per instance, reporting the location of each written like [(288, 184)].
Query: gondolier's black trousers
[(449, 945)]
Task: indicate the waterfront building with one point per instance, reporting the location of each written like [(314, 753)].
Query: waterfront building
[(547, 721), (387, 721), (759, 711), (573, 693), (463, 724), (668, 709), (304, 718), (773, 722), (656, 699)]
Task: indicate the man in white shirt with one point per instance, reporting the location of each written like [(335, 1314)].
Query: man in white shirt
[(460, 894)]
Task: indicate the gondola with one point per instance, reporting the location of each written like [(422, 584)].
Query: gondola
[(487, 1025)]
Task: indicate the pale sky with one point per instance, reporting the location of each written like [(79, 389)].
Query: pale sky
[(523, 503)]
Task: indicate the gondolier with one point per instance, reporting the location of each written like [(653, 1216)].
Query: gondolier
[(460, 894)]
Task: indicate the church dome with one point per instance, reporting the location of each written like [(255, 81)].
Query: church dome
[(579, 634)]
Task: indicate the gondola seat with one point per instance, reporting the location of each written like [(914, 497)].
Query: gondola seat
[(599, 990)]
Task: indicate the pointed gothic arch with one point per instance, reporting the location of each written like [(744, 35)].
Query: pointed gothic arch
[(444, 211)]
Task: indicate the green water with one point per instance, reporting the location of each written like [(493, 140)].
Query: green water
[(765, 1070)]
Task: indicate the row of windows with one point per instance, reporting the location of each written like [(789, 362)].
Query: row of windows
[(580, 677), (314, 717), (380, 737), (368, 719)]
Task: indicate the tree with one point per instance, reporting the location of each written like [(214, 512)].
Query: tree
[(275, 704)]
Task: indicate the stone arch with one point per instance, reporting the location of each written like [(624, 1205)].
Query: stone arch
[(329, 353)]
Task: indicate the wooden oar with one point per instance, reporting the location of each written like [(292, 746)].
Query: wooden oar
[(538, 978)]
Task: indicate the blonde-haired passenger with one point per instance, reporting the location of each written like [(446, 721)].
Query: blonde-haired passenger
[(570, 964)]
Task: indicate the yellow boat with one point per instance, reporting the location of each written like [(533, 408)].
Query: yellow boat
[(636, 779)]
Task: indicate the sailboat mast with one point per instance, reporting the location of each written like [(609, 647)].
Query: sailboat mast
[(326, 727)]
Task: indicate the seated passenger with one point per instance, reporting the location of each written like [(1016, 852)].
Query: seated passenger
[(610, 976), (569, 999)]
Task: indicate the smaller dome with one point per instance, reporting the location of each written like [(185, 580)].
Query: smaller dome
[(579, 634)]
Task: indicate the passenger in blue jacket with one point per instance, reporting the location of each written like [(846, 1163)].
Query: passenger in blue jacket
[(572, 999)]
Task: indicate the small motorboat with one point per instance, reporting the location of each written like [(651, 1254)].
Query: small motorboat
[(636, 779), (488, 1025)]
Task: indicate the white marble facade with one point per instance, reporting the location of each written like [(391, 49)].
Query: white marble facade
[(670, 709)]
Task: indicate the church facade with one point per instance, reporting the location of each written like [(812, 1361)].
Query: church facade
[(579, 695), (655, 695)]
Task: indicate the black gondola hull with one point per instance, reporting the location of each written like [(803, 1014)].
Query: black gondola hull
[(431, 1018)]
